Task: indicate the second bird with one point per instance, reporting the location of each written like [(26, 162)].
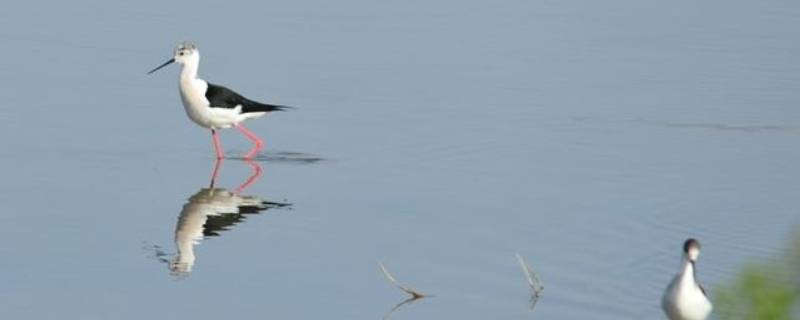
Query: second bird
[(213, 106), (685, 298)]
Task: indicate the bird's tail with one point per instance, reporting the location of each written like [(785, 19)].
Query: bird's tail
[(264, 107)]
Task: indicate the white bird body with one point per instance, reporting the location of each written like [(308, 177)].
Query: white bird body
[(198, 108), (685, 298), (213, 106)]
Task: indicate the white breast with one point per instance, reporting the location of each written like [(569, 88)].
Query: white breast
[(683, 300), (194, 101), (193, 95)]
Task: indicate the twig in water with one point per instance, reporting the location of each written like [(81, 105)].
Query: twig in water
[(414, 294), (533, 280)]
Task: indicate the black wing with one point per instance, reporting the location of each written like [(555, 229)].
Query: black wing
[(222, 97)]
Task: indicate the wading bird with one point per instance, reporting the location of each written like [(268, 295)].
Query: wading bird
[(213, 106), (685, 298)]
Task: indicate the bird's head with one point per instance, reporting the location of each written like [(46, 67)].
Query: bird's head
[(691, 249), (185, 53)]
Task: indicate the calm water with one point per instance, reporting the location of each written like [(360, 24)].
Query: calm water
[(438, 137)]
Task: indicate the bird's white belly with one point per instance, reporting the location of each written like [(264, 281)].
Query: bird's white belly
[(198, 109), (683, 302)]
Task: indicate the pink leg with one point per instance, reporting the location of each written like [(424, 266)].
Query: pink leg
[(217, 145), (217, 165), (252, 179), (257, 143)]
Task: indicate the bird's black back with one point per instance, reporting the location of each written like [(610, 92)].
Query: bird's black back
[(222, 97)]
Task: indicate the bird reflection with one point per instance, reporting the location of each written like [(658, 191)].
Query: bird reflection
[(211, 211)]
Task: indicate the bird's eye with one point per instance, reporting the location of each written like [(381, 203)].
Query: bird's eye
[(180, 53)]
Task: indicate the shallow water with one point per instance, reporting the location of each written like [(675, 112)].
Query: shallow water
[(439, 138)]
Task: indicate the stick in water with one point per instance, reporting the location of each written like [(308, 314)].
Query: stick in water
[(414, 294), (533, 280)]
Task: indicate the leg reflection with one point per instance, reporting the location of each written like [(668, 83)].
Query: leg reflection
[(253, 177), (217, 165)]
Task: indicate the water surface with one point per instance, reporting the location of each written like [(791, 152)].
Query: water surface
[(438, 137)]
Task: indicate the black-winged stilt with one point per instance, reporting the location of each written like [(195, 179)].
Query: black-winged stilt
[(213, 106), (685, 298)]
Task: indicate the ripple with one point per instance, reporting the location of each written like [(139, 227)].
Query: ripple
[(750, 128), (290, 157)]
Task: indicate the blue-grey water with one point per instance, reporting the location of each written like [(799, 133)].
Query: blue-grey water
[(592, 137)]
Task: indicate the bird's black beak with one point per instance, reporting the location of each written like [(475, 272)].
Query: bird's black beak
[(163, 65)]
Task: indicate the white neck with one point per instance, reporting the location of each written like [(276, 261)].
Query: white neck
[(687, 272), (189, 71), (190, 65)]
